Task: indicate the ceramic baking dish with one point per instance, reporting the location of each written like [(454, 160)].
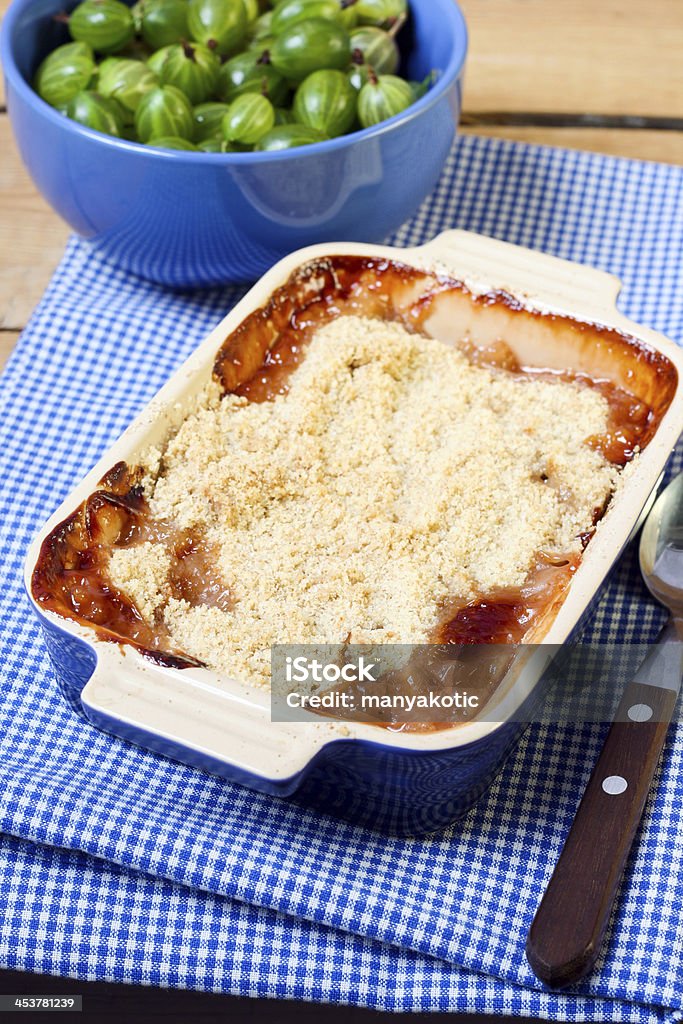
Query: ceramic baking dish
[(553, 314)]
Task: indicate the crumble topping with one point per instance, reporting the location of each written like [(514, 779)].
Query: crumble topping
[(395, 477)]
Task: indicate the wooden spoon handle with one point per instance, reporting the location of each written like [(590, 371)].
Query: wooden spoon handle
[(566, 934)]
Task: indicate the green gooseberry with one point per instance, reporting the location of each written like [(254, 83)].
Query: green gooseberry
[(261, 28), (326, 101), (253, 10), (215, 146), (248, 119), (222, 24), (106, 25), (290, 12), (374, 46), (349, 15), (125, 80), (171, 142), (383, 97), (96, 112), (311, 45), (384, 13), (156, 62), (64, 72), (163, 22), (193, 68), (164, 111), (248, 72), (208, 118), (288, 136)]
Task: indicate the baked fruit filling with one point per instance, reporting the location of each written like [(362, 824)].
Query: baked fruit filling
[(347, 478)]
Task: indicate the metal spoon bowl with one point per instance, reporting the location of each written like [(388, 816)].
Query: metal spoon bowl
[(661, 548)]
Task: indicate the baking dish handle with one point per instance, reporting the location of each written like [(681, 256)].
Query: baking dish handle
[(198, 717), (545, 280)]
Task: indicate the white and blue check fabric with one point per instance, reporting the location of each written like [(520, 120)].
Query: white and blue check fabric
[(118, 864)]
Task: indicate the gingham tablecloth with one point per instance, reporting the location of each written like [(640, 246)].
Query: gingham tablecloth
[(117, 864)]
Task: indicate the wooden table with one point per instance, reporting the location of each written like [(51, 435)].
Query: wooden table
[(604, 75)]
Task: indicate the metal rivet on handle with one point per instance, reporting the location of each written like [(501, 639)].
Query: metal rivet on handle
[(640, 713), (614, 785)]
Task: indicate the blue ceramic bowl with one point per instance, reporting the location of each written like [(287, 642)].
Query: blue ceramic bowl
[(198, 219)]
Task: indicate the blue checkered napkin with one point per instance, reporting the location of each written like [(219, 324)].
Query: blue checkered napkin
[(304, 896), (69, 914)]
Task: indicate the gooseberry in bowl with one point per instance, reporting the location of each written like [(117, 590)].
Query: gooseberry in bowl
[(311, 45), (173, 142), (221, 23), (383, 97), (208, 118), (164, 111), (97, 112), (290, 12), (248, 72), (248, 119), (191, 67), (377, 48), (66, 71), (289, 167), (326, 101), (384, 13), (126, 81), (162, 22), (289, 136), (105, 25)]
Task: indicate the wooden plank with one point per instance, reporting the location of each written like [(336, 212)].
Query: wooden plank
[(664, 146), (32, 237), (8, 340), (575, 56)]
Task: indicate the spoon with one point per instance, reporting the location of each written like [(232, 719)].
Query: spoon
[(567, 932)]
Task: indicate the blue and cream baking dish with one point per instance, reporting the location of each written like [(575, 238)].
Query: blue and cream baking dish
[(552, 315)]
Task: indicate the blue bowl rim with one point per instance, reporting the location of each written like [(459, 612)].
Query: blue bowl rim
[(448, 76)]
